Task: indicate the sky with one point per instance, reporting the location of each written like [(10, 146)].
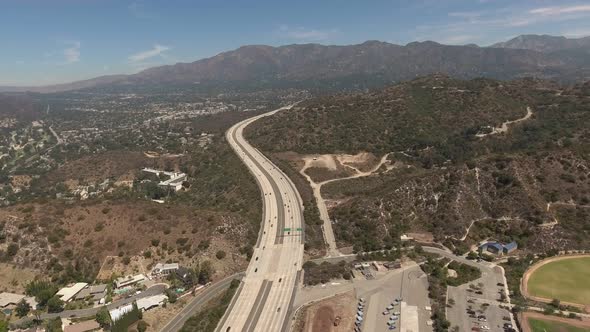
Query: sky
[(55, 41)]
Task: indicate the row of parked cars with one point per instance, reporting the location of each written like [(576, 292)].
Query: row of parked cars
[(360, 313), (393, 319)]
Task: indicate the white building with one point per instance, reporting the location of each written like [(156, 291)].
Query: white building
[(10, 299), (129, 280), (149, 302), (67, 293), (164, 269), (120, 311), (175, 178)]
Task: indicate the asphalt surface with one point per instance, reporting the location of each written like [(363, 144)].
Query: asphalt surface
[(199, 301), (263, 302)]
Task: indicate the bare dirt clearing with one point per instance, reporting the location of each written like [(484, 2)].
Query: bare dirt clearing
[(362, 160), (320, 316)]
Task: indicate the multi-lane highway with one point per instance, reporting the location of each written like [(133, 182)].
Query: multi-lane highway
[(266, 294)]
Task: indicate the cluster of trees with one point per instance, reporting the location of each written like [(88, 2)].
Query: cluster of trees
[(323, 273), (44, 292)]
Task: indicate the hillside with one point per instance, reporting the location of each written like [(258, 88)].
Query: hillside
[(454, 163), (370, 64)]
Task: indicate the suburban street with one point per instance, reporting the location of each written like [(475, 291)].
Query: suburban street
[(263, 300), (154, 290)]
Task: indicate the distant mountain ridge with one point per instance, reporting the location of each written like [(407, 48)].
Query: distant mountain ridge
[(544, 43), (305, 64)]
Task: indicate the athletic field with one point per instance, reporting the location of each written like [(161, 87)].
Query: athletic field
[(566, 279), (538, 325)]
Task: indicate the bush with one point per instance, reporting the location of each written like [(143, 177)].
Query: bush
[(142, 326), (220, 254), (23, 308), (12, 250)]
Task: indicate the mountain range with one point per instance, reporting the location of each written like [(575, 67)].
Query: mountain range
[(369, 63)]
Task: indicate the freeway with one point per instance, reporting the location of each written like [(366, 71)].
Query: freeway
[(263, 300)]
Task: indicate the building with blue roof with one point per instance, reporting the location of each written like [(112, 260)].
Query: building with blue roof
[(498, 248), (510, 247)]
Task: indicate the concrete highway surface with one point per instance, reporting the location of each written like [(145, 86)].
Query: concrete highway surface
[(263, 300)]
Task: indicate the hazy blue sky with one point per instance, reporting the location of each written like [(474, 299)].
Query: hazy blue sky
[(52, 41)]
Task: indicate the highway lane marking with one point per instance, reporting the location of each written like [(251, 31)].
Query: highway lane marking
[(254, 315)]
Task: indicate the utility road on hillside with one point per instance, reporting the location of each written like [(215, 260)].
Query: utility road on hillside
[(266, 294)]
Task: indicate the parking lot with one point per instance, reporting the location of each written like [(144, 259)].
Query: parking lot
[(476, 300), (410, 313)]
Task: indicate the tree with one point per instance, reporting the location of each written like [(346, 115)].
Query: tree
[(42, 291), (205, 272), (555, 303), (472, 255), (23, 308), (142, 326), (54, 325), (37, 317), (55, 304), (103, 318), (172, 297), (3, 326)]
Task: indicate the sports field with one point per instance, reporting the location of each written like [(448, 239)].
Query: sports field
[(565, 279), (538, 325)]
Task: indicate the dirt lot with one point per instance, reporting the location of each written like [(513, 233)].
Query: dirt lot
[(320, 316), (524, 321)]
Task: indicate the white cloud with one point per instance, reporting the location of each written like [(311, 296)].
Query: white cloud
[(577, 33), (304, 34), (72, 53), (560, 10), (138, 10), (157, 50), (458, 39), (514, 19)]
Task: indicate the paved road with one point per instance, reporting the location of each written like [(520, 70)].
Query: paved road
[(154, 290), (197, 303), (263, 301)]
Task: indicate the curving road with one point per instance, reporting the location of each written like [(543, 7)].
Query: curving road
[(200, 300), (264, 299)]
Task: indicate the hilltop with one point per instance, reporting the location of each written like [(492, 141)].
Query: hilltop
[(454, 163)]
